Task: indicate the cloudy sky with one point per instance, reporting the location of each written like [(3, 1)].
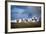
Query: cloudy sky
[(19, 12)]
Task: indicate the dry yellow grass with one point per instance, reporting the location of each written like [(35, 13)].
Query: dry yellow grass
[(25, 25)]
